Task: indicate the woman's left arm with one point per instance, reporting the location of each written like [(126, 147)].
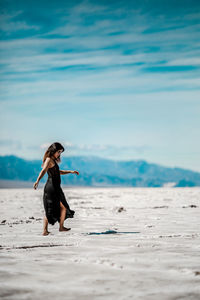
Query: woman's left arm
[(63, 172)]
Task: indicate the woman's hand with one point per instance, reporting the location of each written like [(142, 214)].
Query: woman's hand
[(35, 185), (76, 172)]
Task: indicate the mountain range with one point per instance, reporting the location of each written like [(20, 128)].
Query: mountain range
[(96, 171)]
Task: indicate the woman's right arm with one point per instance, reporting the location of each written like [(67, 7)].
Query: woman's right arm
[(42, 173)]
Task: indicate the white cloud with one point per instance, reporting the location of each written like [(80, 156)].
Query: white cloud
[(45, 145), (8, 25), (194, 61), (104, 148)]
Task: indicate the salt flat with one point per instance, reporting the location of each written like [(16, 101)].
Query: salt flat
[(159, 260)]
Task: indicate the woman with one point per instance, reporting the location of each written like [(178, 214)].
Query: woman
[(55, 204)]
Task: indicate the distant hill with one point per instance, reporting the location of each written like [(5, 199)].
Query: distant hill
[(96, 171)]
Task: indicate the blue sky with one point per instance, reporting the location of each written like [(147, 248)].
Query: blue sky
[(116, 79)]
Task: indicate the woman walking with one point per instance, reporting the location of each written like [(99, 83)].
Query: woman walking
[(55, 204)]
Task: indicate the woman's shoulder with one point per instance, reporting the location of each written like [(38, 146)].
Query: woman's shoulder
[(49, 161), (52, 162)]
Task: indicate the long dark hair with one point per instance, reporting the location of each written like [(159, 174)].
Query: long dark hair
[(51, 150)]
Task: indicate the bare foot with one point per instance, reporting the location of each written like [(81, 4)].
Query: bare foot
[(64, 229), (45, 232)]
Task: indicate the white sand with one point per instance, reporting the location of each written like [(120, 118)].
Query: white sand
[(161, 262)]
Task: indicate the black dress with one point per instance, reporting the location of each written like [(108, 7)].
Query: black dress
[(53, 195)]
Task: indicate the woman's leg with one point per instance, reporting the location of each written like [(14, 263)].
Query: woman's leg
[(62, 217), (45, 231)]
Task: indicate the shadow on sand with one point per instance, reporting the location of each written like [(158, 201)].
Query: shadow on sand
[(111, 232)]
